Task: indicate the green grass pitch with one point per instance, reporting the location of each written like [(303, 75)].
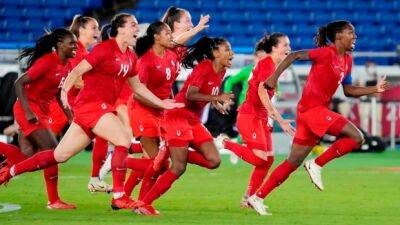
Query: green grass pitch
[(359, 189)]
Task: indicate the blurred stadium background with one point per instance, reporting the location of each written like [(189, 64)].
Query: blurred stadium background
[(243, 23)]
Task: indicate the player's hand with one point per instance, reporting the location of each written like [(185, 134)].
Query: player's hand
[(172, 104), (31, 117), (220, 107), (287, 127), (64, 99), (382, 85), (225, 98), (203, 23)]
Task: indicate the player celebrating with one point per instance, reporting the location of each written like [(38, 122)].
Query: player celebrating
[(35, 90), (183, 126), (331, 67), (107, 67), (252, 119)]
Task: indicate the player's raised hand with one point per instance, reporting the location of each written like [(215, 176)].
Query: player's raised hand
[(382, 85)]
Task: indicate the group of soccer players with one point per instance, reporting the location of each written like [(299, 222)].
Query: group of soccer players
[(122, 88)]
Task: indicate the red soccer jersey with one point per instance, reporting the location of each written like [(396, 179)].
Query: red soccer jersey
[(207, 80), (110, 69), (125, 94), (327, 72), (158, 73), (253, 104), (46, 74), (81, 52)]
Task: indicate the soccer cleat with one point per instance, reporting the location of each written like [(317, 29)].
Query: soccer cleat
[(60, 205), (5, 175), (219, 141), (147, 210), (106, 167), (257, 204), (315, 173), (245, 203), (97, 185), (123, 203)]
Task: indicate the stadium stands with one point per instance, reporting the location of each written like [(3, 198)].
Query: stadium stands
[(243, 22)]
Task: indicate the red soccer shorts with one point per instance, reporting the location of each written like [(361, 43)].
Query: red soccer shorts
[(182, 130), (57, 118), (87, 114), (315, 122), (256, 132), (145, 122), (26, 127)]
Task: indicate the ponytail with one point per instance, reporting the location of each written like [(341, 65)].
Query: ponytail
[(201, 50), (144, 43), (327, 34), (45, 44), (268, 41), (105, 32)]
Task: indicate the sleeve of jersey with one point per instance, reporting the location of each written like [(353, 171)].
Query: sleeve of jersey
[(96, 56), (262, 71), (39, 68), (197, 77), (318, 54)]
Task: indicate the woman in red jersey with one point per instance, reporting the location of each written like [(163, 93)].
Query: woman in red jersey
[(36, 89), (158, 69), (183, 126), (105, 71), (252, 119), (331, 67)]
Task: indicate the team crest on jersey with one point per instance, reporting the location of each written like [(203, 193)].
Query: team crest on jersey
[(178, 133), (328, 118), (103, 106), (254, 135), (141, 128)]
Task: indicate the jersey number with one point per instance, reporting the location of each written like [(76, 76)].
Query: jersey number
[(215, 91), (168, 73), (124, 70)]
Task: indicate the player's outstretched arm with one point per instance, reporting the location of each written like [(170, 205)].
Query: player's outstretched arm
[(355, 91), (143, 92), (272, 81)]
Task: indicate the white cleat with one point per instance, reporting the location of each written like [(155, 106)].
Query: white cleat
[(97, 185), (219, 141), (257, 204), (105, 168), (315, 173)]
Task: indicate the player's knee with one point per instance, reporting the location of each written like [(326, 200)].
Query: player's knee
[(61, 157), (178, 168), (296, 161), (214, 162), (359, 138), (123, 141)]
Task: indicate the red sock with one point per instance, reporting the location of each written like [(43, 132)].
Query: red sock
[(38, 161), (339, 148), (99, 154), (118, 168), (51, 178), (13, 154), (136, 148), (244, 153), (138, 164), (278, 176), (134, 179), (149, 178), (163, 183), (198, 159), (258, 175)]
